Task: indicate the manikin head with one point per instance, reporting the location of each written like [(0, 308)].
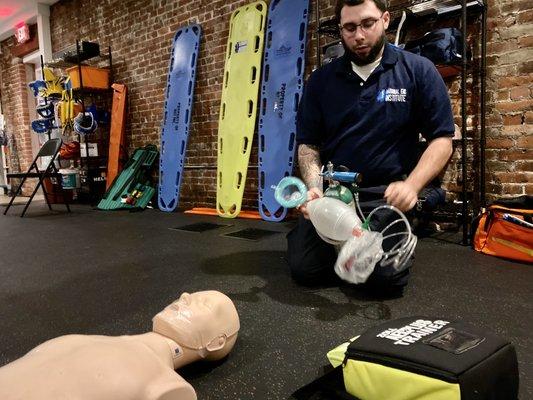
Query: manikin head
[(362, 25), (206, 322)]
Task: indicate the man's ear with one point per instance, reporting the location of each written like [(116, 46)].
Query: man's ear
[(386, 19), (217, 343)]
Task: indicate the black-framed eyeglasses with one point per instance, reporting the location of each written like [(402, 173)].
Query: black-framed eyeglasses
[(366, 25)]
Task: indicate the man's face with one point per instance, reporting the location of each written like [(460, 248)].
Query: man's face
[(363, 31)]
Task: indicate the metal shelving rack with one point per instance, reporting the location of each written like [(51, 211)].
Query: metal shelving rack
[(90, 164), (3, 171), (423, 10), (4, 165)]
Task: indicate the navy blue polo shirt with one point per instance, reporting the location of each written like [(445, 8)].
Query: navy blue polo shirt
[(373, 127)]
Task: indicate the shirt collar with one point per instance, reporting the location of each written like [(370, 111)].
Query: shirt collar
[(390, 56)]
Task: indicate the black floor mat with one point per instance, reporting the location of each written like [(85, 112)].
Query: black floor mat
[(142, 267), (200, 227), (251, 234), (329, 386)]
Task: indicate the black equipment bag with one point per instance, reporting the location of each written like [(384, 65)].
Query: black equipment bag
[(431, 359), (441, 46)]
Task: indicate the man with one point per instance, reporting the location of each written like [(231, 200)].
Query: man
[(365, 111)]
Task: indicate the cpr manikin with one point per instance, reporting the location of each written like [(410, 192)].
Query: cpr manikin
[(197, 326)]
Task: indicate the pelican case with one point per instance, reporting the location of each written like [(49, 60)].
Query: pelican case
[(426, 358)]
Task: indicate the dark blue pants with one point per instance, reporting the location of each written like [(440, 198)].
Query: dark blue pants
[(311, 260)]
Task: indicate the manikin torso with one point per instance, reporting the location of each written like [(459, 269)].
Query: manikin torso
[(202, 325), (121, 368)]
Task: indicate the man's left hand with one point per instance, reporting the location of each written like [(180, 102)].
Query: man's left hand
[(401, 195)]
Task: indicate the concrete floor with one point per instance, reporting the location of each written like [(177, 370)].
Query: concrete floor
[(4, 200), (108, 273)]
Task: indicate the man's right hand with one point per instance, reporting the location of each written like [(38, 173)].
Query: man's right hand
[(312, 194)]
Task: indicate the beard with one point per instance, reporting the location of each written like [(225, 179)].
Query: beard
[(372, 54)]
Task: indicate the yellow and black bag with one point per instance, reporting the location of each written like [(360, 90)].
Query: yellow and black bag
[(505, 229), (430, 359)]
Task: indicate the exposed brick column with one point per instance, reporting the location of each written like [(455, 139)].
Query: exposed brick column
[(15, 109), (510, 98)]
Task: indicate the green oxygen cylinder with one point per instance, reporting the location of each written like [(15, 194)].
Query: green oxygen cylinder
[(340, 192)]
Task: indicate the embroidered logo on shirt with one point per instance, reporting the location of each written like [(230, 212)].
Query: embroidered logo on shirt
[(391, 95)]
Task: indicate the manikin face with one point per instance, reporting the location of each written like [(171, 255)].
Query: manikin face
[(198, 320), (363, 31)]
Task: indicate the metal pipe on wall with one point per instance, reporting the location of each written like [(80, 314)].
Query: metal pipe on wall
[(482, 142), (463, 127), (317, 16)]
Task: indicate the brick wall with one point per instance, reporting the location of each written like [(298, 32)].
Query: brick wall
[(509, 116), (15, 108), (140, 34), (510, 98)]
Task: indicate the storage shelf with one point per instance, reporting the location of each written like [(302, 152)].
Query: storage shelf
[(417, 13), (91, 90), (91, 165), (442, 7), (448, 71), (60, 63)]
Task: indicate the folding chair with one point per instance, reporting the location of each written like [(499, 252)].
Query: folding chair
[(49, 149)]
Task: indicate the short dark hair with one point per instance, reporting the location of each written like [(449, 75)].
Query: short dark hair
[(383, 5)]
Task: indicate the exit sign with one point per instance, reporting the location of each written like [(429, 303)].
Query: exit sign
[(22, 33)]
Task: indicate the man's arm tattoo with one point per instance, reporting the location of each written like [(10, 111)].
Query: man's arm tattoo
[(309, 161)]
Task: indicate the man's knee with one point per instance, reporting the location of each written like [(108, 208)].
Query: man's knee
[(388, 277), (310, 259), (307, 271)]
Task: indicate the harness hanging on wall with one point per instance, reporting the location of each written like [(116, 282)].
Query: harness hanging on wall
[(85, 124), (177, 116), (42, 125), (54, 84), (46, 110), (283, 70), (38, 87), (66, 105), (239, 105)]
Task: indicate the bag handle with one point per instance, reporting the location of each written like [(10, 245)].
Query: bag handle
[(524, 212), (433, 36)]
